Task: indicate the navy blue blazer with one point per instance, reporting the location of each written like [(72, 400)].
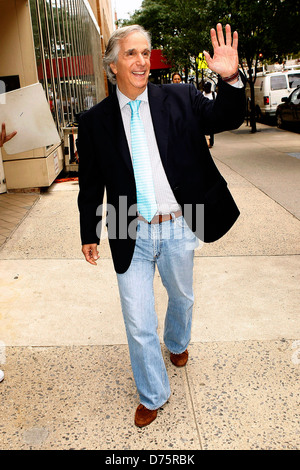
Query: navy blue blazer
[(182, 117)]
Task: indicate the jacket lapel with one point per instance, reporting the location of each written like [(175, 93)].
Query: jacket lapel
[(114, 126), (160, 117)]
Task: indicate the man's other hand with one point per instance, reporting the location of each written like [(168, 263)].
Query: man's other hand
[(91, 253)]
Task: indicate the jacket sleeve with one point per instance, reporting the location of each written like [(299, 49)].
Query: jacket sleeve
[(225, 113), (91, 186)]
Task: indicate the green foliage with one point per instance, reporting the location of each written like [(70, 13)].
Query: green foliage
[(268, 29), (181, 27), (176, 26), (265, 27)]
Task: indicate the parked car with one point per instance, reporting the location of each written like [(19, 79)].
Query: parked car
[(288, 112), (270, 88)]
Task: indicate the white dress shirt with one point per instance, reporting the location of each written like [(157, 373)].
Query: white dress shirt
[(165, 199)]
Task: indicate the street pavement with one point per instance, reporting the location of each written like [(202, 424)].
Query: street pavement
[(68, 381)]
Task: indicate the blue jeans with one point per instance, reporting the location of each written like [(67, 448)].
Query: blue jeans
[(169, 245)]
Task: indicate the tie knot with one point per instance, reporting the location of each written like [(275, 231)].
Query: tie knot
[(134, 106)]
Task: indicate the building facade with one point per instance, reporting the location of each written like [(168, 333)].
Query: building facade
[(60, 44)]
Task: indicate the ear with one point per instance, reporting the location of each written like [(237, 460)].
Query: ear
[(113, 67)]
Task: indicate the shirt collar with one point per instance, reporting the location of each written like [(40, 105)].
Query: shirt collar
[(124, 100)]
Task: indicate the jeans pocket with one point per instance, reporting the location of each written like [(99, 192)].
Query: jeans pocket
[(180, 222), (191, 241)]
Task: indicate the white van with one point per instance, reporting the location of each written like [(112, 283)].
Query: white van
[(270, 88)]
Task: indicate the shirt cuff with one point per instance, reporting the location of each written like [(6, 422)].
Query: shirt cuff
[(238, 84)]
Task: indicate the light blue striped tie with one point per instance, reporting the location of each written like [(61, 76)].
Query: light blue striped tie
[(146, 202)]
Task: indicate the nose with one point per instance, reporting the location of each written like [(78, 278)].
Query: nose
[(141, 59)]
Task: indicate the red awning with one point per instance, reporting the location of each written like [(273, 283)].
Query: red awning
[(158, 61), (71, 66)]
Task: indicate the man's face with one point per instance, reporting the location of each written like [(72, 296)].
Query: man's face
[(133, 66)]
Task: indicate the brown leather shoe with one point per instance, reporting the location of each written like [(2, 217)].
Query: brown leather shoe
[(143, 416), (179, 360)]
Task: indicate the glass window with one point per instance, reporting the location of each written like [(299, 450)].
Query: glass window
[(295, 97), (294, 79), (68, 55), (278, 83)]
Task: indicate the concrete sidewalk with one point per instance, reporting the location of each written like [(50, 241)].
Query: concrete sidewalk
[(68, 381)]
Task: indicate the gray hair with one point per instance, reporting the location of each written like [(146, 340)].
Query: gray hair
[(113, 47)]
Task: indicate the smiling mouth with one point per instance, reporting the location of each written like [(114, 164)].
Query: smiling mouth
[(139, 73)]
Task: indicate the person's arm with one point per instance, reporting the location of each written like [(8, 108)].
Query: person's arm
[(4, 137), (91, 191), (228, 110)]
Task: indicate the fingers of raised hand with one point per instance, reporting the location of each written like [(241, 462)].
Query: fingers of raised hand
[(218, 40), (220, 34), (214, 39), (235, 41)]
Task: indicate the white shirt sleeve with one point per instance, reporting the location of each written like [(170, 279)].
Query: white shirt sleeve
[(238, 84)]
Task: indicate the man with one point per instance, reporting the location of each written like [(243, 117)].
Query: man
[(145, 145)]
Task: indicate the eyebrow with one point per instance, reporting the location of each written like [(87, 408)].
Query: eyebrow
[(135, 50)]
